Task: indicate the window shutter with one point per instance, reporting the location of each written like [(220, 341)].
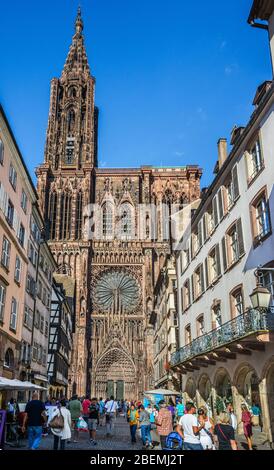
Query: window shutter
[(4, 201), (224, 253), (205, 226), (206, 274), (240, 237), (202, 278), (192, 288), (182, 299), (200, 233), (221, 204), (235, 182), (16, 223), (218, 261), (215, 211)]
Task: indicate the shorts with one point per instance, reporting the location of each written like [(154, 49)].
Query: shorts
[(92, 424)]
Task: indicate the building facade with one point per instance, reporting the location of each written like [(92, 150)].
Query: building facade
[(41, 325), (17, 194), (60, 336), (116, 262), (226, 345), (165, 321)]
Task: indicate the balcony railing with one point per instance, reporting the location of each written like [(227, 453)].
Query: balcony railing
[(252, 321)]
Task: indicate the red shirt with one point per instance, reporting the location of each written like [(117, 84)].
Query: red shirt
[(85, 405)]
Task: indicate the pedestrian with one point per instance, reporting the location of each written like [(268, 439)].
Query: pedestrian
[(35, 416), (164, 423), (206, 434), (93, 420), (144, 421), (256, 415), (151, 413), (225, 433), (189, 428), (171, 408), (247, 423), (180, 409), (233, 417), (85, 406), (62, 434), (133, 417), (101, 410), (110, 408), (75, 408)]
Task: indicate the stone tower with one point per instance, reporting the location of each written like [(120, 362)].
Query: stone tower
[(115, 268), (65, 181)]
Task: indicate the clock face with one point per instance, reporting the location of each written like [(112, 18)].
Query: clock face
[(117, 291)]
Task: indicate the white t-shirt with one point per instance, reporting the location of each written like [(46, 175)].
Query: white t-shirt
[(111, 406), (187, 422)]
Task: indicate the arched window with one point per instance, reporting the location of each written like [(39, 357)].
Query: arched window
[(107, 220), (65, 216), (79, 210), (52, 215), (9, 359), (70, 121), (126, 216)]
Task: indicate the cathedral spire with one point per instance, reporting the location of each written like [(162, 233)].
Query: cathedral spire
[(77, 60), (79, 25)]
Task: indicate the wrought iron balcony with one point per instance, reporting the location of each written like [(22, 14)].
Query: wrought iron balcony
[(251, 322)]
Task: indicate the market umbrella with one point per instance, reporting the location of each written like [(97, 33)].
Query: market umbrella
[(14, 384)]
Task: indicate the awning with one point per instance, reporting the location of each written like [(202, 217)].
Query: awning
[(162, 391), (8, 384)]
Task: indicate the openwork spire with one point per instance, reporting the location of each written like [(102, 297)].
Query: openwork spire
[(79, 25), (77, 60)]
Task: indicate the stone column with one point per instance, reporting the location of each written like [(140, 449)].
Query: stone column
[(265, 410), (237, 401)]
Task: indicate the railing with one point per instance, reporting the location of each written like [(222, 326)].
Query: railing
[(252, 321)]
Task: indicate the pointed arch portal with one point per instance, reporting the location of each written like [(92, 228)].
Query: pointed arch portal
[(115, 374)]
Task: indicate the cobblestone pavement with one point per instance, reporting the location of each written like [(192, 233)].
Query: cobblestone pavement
[(121, 440)]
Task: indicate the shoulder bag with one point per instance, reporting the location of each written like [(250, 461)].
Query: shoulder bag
[(57, 421)]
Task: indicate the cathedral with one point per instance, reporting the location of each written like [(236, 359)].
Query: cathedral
[(106, 230)]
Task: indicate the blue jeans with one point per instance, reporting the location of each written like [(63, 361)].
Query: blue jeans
[(35, 436), (133, 430), (145, 433), (188, 446)]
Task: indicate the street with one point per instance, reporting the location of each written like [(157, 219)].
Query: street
[(121, 440)]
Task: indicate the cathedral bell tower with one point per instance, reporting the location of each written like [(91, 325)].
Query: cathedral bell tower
[(65, 182)]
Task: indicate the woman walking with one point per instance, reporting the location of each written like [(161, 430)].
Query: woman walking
[(225, 433), (247, 423), (144, 421), (61, 435), (206, 434), (133, 417)]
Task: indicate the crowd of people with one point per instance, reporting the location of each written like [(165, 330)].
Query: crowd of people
[(177, 424)]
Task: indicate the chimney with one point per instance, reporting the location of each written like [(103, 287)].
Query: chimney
[(222, 151)]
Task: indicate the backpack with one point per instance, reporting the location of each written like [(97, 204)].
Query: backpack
[(174, 442)]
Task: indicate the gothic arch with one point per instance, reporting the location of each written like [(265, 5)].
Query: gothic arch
[(115, 364)]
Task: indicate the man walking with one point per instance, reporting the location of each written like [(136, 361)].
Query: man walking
[(93, 420), (111, 408), (35, 416), (75, 408), (164, 423), (189, 429)]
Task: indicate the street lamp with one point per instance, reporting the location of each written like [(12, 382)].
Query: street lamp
[(260, 296)]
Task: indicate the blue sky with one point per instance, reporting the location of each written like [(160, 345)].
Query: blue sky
[(172, 77)]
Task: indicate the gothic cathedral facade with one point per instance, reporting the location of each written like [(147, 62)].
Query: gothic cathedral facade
[(116, 262)]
